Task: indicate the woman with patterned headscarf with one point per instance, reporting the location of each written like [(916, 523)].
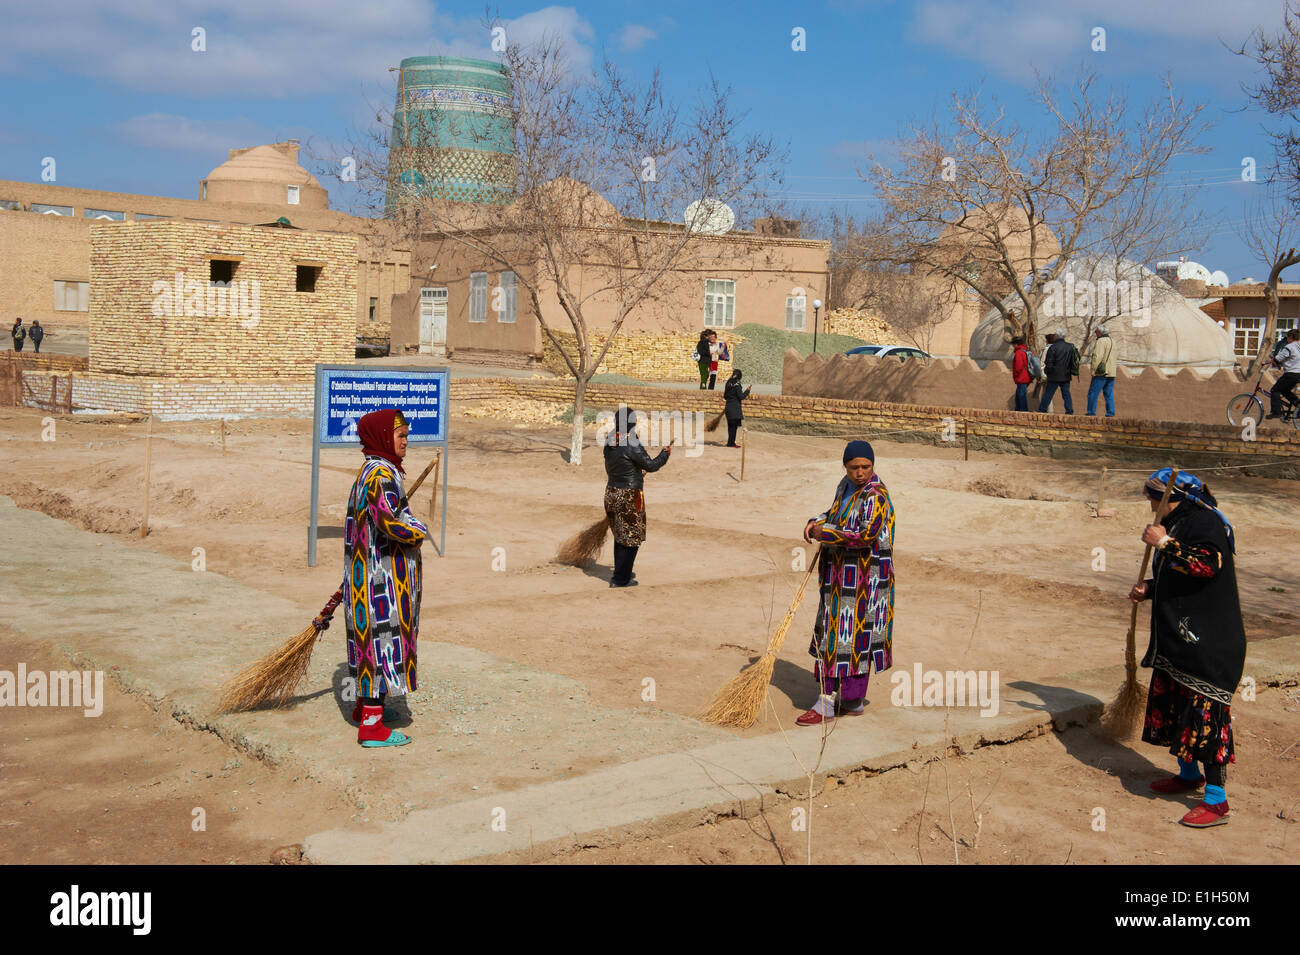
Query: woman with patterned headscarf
[(381, 578), (1198, 644), (855, 617)]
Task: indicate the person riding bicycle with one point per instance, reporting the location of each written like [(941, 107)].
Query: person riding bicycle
[(1288, 359)]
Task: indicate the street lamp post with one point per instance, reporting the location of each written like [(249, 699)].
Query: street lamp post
[(817, 307)]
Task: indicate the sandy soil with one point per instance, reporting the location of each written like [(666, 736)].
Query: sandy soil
[(997, 561)]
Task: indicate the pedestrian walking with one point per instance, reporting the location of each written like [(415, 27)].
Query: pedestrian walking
[(37, 334), (1020, 372), (19, 335), (1102, 365), (1060, 364)]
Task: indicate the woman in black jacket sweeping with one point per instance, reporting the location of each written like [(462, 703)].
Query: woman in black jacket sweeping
[(1198, 644), (625, 462), (734, 396)]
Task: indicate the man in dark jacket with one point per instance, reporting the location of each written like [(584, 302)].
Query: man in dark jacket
[(19, 335), (1057, 367), (626, 461), (37, 333)]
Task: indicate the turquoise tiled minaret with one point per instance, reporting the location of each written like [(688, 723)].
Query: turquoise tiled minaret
[(453, 131)]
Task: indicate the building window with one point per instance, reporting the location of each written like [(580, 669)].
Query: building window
[(719, 303), (143, 216), (43, 209), (12, 205), (293, 196), (796, 313), (105, 214), (306, 278), (71, 296), (1246, 333), (478, 296), (221, 270), (508, 298), (374, 304), (203, 189)]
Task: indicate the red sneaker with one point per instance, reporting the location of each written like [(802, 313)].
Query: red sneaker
[(1176, 784), (1203, 816)]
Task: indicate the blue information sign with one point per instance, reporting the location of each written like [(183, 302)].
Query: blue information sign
[(344, 394)]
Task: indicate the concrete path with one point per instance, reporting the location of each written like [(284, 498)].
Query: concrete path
[(510, 763)]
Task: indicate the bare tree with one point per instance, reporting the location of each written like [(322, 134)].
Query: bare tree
[(1004, 211), (1269, 232), (600, 165), (1279, 92)]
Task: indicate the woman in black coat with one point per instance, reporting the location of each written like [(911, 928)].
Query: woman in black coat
[(734, 396), (1198, 643)]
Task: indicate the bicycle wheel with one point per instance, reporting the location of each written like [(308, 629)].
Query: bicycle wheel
[(1245, 406)]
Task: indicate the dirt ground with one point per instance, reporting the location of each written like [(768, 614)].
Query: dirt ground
[(1001, 566)]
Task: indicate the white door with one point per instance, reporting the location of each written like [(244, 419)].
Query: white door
[(433, 321)]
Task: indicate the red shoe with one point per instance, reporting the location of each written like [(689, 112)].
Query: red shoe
[(811, 718), (1176, 784), (372, 731), (1204, 816)]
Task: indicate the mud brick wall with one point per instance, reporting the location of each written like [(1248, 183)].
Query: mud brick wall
[(644, 357), (143, 322), (177, 398), (1144, 395), (31, 362), (994, 430)]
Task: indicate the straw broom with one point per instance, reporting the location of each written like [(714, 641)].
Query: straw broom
[(1119, 719), (741, 700), (584, 545), (717, 420), (275, 677)]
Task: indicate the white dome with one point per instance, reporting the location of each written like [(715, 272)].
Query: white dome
[(1150, 323)]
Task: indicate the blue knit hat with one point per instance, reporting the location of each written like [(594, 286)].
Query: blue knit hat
[(859, 449)]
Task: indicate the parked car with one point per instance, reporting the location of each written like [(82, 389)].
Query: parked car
[(901, 352)]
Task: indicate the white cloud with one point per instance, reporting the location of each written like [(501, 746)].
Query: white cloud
[(181, 134), (634, 36), (1012, 37), (254, 48)]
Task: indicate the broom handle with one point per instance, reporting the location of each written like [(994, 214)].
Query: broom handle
[(1130, 647), (798, 599), (332, 604)]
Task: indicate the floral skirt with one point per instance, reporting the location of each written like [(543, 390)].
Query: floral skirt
[(625, 509), (1193, 726)]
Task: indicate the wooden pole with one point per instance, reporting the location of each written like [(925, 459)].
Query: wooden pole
[(69, 392), (1102, 509), (223, 435), (965, 440), (148, 460), (744, 432), (54, 392), (433, 500)]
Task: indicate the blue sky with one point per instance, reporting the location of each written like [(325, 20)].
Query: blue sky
[(114, 92)]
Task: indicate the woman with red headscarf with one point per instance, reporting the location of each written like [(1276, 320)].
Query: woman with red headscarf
[(381, 577)]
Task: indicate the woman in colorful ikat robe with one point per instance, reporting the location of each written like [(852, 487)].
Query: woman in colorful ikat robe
[(381, 584), (855, 617), (1198, 643)]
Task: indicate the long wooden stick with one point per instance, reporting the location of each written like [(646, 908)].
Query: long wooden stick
[(433, 501), (148, 460), (743, 441), (1130, 653)]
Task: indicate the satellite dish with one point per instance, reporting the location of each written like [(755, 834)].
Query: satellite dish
[(1218, 277), (709, 217)]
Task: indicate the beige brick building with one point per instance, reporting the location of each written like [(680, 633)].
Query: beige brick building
[(45, 233), (196, 320)]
